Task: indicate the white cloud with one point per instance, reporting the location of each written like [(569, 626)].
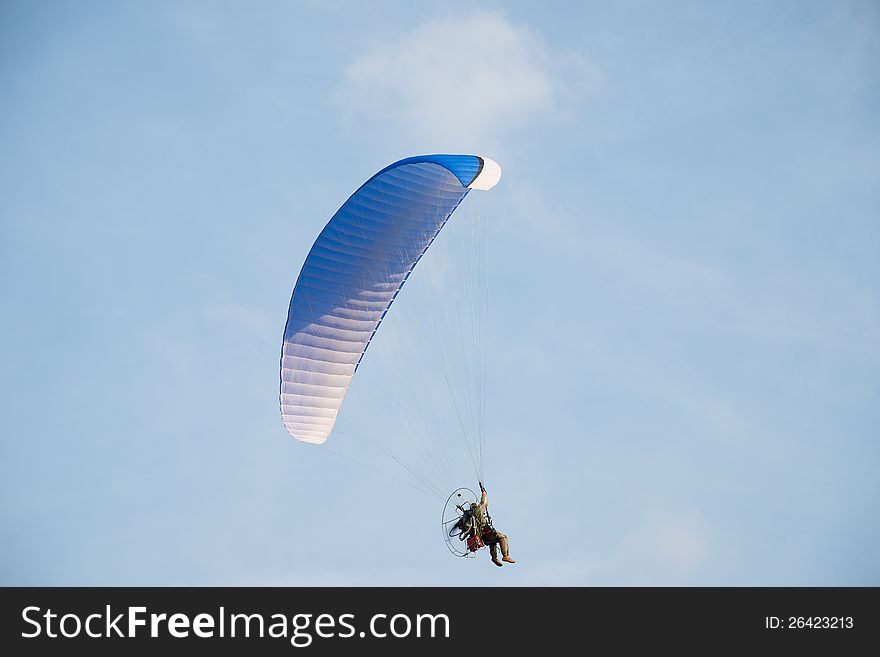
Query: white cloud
[(667, 548), (463, 79)]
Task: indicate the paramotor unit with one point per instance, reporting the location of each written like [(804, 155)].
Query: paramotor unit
[(459, 532)]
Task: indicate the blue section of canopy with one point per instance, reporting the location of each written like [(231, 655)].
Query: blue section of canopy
[(464, 167), (350, 279)]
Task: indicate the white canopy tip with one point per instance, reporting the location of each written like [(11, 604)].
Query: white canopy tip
[(488, 177)]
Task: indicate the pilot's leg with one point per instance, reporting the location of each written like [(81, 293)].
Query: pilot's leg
[(493, 550), (505, 547)]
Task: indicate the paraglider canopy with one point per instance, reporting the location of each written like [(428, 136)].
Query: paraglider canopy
[(353, 273)]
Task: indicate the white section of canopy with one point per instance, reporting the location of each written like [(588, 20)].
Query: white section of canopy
[(488, 177)]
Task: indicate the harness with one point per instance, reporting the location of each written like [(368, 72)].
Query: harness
[(488, 535)]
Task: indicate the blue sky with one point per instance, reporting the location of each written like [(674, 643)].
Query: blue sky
[(684, 383)]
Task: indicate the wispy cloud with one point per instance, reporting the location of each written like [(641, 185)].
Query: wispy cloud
[(250, 319), (463, 79), (663, 547)]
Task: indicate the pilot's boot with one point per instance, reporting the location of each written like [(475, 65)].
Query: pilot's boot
[(507, 559), (496, 562)]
